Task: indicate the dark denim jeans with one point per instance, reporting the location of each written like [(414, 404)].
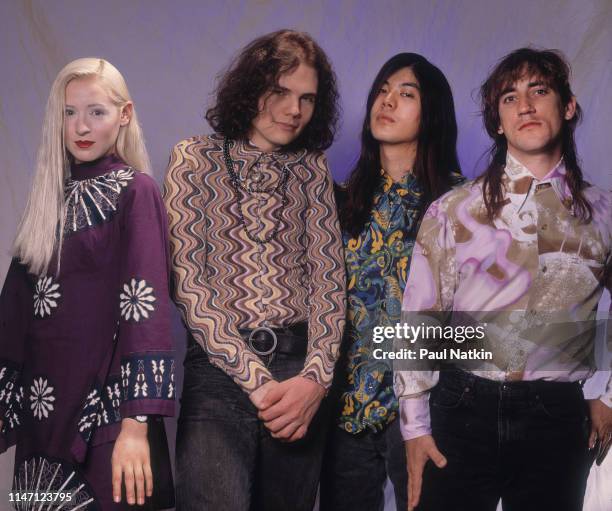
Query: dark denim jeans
[(523, 442), (225, 458), (355, 468)]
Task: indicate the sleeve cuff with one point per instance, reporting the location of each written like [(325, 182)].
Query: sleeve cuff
[(313, 373), (414, 416)]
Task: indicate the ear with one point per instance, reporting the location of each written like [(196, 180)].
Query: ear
[(126, 114), (500, 131), (570, 109)]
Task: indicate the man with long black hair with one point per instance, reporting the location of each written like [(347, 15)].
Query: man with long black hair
[(408, 158), (528, 246), (259, 279)]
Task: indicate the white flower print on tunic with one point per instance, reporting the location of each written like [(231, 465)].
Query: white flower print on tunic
[(41, 398), (46, 296), (136, 300)]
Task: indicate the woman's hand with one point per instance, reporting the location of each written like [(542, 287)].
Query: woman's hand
[(131, 462)]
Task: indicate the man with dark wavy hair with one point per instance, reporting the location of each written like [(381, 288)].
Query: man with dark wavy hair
[(528, 246), (259, 279)]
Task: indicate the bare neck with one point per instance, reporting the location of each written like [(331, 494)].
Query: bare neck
[(397, 159)]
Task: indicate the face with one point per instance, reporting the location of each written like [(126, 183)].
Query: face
[(286, 110), (531, 117), (91, 120), (395, 117)]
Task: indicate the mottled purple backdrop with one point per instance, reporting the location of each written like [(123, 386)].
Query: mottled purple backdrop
[(170, 53)]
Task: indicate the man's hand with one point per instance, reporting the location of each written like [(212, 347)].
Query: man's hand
[(418, 451), (601, 427), (288, 408), (131, 461), (258, 394)]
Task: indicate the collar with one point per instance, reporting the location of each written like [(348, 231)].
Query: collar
[(247, 154), (518, 179), (407, 184), (96, 168)]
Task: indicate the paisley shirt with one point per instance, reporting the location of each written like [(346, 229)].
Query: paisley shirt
[(537, 272), (377, 264)]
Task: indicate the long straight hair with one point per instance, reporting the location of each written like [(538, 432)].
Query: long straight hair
[(551, 67), (436, 156), (40, 232)]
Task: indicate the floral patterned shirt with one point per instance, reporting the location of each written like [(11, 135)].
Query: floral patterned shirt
[(537, 271), (377, 263)]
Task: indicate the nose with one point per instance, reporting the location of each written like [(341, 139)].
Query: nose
[(525, 105), (389, 100), (82, 127), (294, 106)]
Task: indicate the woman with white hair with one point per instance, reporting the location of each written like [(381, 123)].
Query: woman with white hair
[(86, 356)]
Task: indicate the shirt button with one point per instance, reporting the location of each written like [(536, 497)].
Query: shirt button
[(544, 227)]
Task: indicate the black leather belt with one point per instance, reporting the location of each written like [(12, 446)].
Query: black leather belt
[(265, 341)]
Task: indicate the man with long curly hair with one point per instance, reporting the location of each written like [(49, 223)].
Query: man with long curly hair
[(259, 278)]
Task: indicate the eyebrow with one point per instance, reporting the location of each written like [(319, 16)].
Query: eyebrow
[(530, 85), (88, 106), (405, 84)]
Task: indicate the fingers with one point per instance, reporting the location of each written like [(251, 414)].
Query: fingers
[(437, 457), (116, 477), (299, 433), (140, 484), (287, 432), (148, 473), (276, 411), (272, 397), (415, 482), (128, 479), (278, 424), (592, 437)]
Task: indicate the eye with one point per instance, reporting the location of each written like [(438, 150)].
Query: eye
[(97, 112), (309, 99), (407, 94), (508, 99), (69, 112), (279, 92), (542, 91), (383, 90)]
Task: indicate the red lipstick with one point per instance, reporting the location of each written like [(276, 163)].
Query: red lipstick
[(84, 144)]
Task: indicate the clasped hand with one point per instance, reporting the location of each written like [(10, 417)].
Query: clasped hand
[(287, 407)]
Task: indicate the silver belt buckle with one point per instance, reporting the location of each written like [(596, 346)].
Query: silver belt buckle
[(274, 339)]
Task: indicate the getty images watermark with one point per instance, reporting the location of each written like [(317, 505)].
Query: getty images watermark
[(437, 338)]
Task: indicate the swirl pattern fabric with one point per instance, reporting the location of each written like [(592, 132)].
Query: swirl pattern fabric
[(223, 281)]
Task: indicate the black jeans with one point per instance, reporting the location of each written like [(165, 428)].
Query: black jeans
[(225, 458), (523, 442), (355, 468)]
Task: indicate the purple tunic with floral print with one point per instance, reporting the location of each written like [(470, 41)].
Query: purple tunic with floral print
[(82, 349)]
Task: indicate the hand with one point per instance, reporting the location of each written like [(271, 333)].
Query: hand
[(601, 427), (258, 394), (288, 408), (131, 460), (418, 451)]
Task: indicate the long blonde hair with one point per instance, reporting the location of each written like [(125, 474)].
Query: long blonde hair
[(40, 232)]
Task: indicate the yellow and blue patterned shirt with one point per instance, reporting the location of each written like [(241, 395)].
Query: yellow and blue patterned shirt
[(377, 264)]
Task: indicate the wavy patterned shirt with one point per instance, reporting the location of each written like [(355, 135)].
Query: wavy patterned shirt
[(537, 271), (224, 281)]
